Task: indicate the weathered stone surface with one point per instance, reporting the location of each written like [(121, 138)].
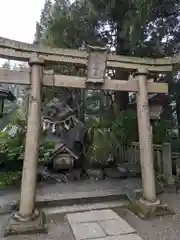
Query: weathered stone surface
[(92, 216), (132, 169), (8, 208), (70, 176), (58, 229), (159, 187), (116, 227), (84, 231), (135, 194), (115, 173), (15, 227), (83, 207), (170, 189), (122, 237), (73, 175), (144, 209), (77, 174), (102, 224), (72, 190), (95, 174)]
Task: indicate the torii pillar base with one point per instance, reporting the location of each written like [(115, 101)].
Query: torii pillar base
[(19, 225), (145, 209)]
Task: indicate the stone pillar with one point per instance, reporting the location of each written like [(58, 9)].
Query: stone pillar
[(28, 185), (145, 139), (167, 164)]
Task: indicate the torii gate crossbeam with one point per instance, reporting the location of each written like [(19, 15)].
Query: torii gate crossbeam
[(57, 80)]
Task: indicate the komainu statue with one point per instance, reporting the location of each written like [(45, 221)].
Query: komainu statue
[(61, 124)]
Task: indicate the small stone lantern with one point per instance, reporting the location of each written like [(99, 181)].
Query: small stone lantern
[(156, 102), (155, 111), (5, 95)]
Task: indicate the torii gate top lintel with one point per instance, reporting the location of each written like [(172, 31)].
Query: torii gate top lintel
[(24, 51), (96, 59)]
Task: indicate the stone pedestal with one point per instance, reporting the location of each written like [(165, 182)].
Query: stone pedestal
[(20, 225), (146, 209)]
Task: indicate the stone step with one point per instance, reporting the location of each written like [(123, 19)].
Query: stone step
[(55, 211), (82, 199)]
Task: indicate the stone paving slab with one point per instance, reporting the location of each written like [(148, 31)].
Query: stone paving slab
[(92, 216), (122, 237), (116, 227), (87, 231), (102, 225), (83, 207)]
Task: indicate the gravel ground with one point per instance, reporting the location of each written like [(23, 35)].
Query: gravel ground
[(160, 228), (77, 189)]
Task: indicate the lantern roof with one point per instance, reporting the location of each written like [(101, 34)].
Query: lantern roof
[(6, 94)]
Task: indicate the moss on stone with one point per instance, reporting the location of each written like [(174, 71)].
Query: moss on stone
[(15, 227), (148, 211)]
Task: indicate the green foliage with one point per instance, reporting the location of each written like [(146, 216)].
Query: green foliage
[(101, 149), (162, 131), (11, 147), (124, 128), (96, 123), (9, 179), (175, 144), (46, 147), (108, 135), (45, 15)]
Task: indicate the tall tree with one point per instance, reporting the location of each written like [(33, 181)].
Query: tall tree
[(133, 28), (45, 16)]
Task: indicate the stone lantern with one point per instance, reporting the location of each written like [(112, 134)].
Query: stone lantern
[(156, 103), (5, 95)]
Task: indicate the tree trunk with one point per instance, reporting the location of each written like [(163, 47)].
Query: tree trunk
[(81, 102), (122, 48), (178, 113), (121, 98)]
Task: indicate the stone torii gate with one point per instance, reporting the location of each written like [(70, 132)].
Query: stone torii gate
[(97, 60)]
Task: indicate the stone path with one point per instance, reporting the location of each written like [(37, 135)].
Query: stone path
[(100, 225)]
